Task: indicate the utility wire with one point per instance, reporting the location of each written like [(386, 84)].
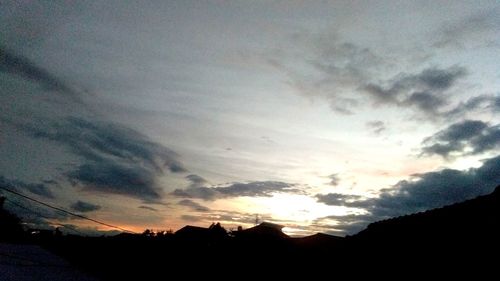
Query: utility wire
[(66, 212), (43, 216)]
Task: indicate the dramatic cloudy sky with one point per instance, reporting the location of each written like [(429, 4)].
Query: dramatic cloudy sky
[(320, 115)]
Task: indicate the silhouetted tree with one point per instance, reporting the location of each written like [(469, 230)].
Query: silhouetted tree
[(10, 225), (217, 230)]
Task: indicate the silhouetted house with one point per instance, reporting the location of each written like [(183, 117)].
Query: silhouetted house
[(215, 231), (190, 230), (263, 230), (193, 233)]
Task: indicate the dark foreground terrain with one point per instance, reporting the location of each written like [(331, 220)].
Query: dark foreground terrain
[(463, 237)]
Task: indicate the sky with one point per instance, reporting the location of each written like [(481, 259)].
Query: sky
[(322, 116)]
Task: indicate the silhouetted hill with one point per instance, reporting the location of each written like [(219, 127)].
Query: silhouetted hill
[(475, 217), (318, 239), (463, 232), (464, 235), (319, 243)]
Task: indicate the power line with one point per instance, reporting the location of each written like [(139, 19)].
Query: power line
[(43, 216), (66, 212)]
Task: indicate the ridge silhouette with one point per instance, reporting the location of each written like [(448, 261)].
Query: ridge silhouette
[(464, 234)]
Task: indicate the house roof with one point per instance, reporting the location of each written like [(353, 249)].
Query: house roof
[(266, 229), (192, 230)]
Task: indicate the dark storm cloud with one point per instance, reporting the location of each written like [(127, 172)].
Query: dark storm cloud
[(193, 205), (464, 138), (422, 192), (84, 207), (35, 188), (376, 127), (18, 65), (115, 159), (251, 189), (334, 179)]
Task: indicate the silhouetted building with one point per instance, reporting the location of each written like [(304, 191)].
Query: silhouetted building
[(263, 230), (190, 231)]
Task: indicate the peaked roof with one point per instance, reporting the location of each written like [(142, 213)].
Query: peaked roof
[(192, 230), (266, 229)]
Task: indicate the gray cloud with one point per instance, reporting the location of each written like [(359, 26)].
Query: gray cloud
[(477, 29), (376, 127), (114, 177), (338, 199), (50, 182), (463, 138), (18, 65), (425, 102), (481, 103), (87, 231), (335, 69), (423, 91), (334, 179), (251, 189), (148, 208), (204, 193), (84, 207), (115, 159), (426, 93), (193, 205), (196, 181), (349, 224), (191, 218), (331, 70), (259, 188), (35, 188), (227, 216), (34, 216), (422, 192), (437, 189)]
